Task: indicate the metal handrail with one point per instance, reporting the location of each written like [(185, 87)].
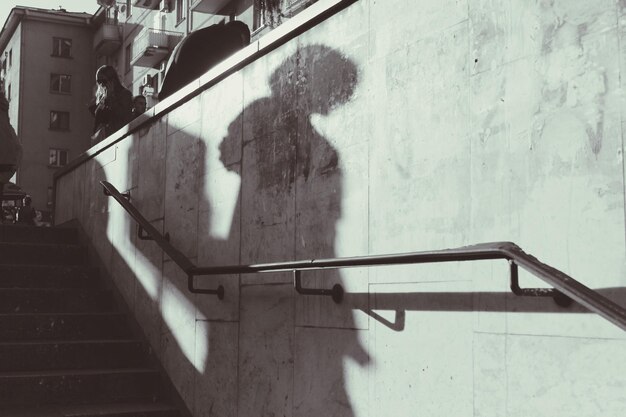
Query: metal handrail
[(181, 260), (565, 287)]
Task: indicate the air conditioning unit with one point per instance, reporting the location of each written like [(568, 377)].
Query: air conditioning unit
[(164, 6)]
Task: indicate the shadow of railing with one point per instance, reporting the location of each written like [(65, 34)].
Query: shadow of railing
[(480, 301)]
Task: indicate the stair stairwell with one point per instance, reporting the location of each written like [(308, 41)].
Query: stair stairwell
[(65, 349)]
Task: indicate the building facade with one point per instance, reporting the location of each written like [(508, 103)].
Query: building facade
[(50, 83), (47, 67), (137, 36)]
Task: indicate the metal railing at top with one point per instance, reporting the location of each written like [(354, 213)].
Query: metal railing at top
[(565, 288), (157, 38)]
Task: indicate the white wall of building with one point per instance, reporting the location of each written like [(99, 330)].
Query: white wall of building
[(393, 126)]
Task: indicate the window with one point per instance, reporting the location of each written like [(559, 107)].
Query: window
[(62, 47), (258, 21), (9, 92), (58, 157), (128, 8), (60, 83), (59, 120), (180, 10), (10, 57), (50, 195), (127, 58)]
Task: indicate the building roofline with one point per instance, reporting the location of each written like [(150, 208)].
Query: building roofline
[(98, 14), (21, 12)]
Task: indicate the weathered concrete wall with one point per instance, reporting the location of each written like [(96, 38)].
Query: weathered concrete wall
[(395, 125)]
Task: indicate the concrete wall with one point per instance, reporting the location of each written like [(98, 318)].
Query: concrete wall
[(393, 126)]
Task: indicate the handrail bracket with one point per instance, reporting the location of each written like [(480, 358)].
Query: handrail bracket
[(558, 297), (145, 236), (219, 291), (336, 292), (126, 194)]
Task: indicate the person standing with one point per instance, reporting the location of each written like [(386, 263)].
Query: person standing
[(113, 104), (26, 214), (139, 105)]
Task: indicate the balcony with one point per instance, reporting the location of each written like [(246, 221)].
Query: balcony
[(108, 38), (208, 6), (152, 46), (146, 4)]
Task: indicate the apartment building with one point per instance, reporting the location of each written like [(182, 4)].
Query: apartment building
[(49, 58), (47, 76), (137, 36)]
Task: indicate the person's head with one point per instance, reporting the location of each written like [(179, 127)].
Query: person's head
[(139, 104), (107, 81), (242, 29), (107, 76), (27, 201)]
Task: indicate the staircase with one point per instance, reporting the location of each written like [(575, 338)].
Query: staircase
[(64, 348)]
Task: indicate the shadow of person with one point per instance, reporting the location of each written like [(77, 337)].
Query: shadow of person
[(291, 350), (291, 201)]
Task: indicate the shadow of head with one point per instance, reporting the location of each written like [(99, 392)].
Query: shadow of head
[(324, 78), (315, 80)]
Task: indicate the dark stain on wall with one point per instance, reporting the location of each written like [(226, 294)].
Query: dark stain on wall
[(596, 133), (595, 136), (590, 111), (281, 138)]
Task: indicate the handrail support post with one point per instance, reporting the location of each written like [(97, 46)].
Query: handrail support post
[(126, 194), (144, 236), (558, 297), (336, 292), (219, 291)]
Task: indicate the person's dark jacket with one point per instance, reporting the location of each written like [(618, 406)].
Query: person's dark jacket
[(113, 113), (199, 51), (26, 215)]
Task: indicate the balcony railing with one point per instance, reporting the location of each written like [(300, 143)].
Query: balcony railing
[(108, 38), (208, 6), (152, 46)]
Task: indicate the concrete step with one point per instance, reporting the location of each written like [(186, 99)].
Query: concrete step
[(48, 276), (62, 326), (64, 351), (31, 234), (76, 387), (49, 300), (146, 409), (42, 254), (71, 355)]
